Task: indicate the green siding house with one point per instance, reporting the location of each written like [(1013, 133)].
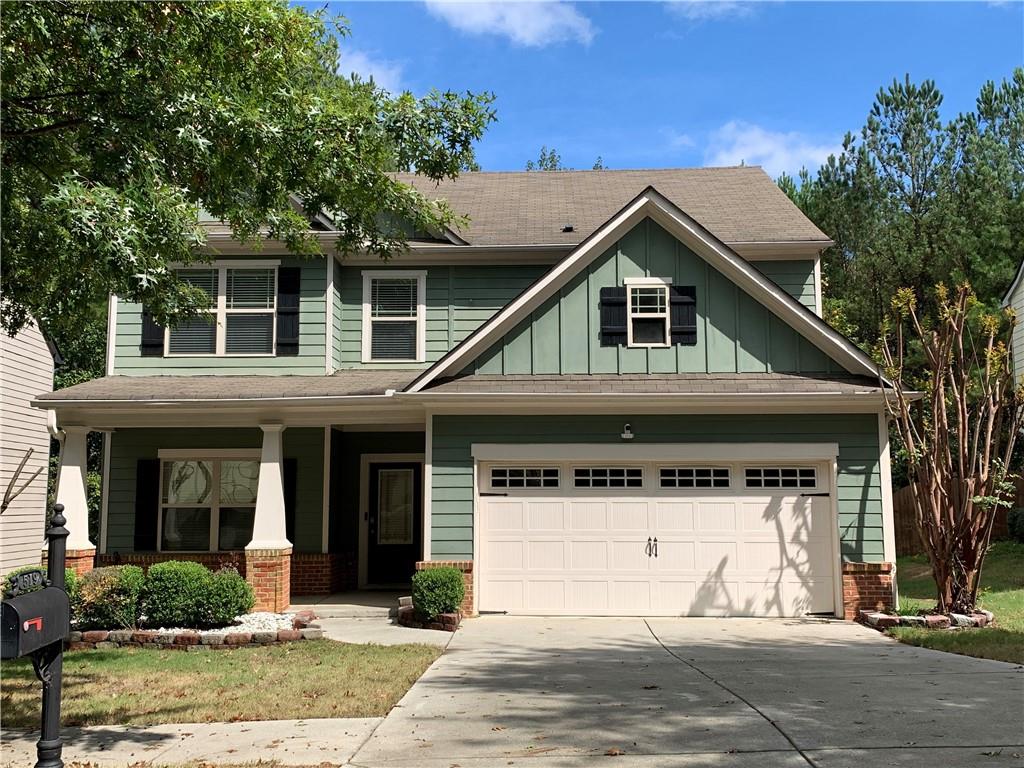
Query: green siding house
[(609, 393)]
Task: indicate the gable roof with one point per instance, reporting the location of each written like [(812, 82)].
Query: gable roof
[(739, 204), (650, 203)]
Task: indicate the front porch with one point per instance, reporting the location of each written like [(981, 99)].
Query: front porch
[(301, 512)]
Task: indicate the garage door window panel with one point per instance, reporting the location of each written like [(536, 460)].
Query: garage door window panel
[(776, 478), (694, 477), (608, 477), (503, 478)]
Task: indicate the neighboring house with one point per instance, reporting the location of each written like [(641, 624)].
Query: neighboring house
[(611, 393), (1014, 299), (26, 370)]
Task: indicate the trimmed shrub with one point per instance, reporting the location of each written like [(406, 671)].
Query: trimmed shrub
[(229, 597), (437, 590), (175, 594), (108, 598), (185, 594), (1015, 523)]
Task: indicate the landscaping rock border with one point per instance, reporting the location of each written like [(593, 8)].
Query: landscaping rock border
[(882, 621), (303, 628), (447, 622)]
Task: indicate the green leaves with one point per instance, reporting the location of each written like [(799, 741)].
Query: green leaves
[(121, 120)]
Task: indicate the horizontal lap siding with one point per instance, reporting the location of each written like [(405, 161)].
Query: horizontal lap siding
[(735, 333), (459, 300), (859, 491), (794, 277), (312, 336), (130, 445)]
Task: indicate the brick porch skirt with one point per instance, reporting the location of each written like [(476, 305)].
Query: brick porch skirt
[(81, 561), (466, 566), (866, 586), (212, 560), (314, 573)]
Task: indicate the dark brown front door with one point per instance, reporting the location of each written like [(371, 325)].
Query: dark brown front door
[(394, 521)]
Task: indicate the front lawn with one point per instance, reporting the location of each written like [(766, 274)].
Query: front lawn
[(1002, 582), (312, 678)]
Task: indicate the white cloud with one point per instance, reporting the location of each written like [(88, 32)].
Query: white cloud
[(705, 10), (678, 140), (386, 74), (739, 142), (536, 23)]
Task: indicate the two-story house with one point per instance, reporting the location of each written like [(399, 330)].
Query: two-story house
[(611, 393)]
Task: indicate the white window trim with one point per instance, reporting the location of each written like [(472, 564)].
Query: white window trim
[(220, 310), (216, 456), (621, 489), (420, 275), (729, 484), (781, 488), (540, 490), (648, 282)]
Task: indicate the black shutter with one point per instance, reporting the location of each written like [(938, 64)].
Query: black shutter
[(147, 503), (683, 314), (613, 316), (288, 284), (289, 479), (152, 344)]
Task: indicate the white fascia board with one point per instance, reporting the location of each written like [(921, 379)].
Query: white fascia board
[(1008, 297), (759, 452), (654, 205), (780, 250)]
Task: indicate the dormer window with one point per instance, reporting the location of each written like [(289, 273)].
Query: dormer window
[(394, 316)]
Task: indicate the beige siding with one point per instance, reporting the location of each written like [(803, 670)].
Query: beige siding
[(26, 370)]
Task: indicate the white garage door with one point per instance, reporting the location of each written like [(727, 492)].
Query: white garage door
[(655, 539)]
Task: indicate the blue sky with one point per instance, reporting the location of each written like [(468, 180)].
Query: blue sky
[(682, 83)]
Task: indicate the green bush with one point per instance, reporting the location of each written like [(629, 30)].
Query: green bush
[(229, 597), (184, 594), (437, 590), (175, 594), (70, 585), (108, 598), (1015, 522)]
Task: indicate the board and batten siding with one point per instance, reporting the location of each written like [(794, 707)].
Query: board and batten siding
[(128, 359), (1016, 303), (735, 333), (305, 444), (795, 277), (26, 370), (460, 298), (859, 480)]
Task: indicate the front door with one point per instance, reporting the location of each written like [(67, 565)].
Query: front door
[(394, 521)]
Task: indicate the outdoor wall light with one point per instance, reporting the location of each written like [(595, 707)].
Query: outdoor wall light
[(627, 432)]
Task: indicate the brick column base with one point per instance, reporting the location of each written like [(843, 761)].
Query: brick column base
[(867, 587), (466, 566), (81, 561), (269, 573)]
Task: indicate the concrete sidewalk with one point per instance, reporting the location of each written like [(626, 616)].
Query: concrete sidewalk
[(290, 742)]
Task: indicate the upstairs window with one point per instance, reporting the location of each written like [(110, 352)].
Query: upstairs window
[(648, 312), (394, 315), (648, 315), (241, 318)]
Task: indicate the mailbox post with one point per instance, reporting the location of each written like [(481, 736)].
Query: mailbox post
[(35, 624)]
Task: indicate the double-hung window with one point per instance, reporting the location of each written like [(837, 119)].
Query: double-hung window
[(647, 307), (394, 316), (241, 319), (207, 504)]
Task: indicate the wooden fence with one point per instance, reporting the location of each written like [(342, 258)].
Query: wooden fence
[(908, 542)]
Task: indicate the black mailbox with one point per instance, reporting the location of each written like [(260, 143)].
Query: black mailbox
[(34, 620)]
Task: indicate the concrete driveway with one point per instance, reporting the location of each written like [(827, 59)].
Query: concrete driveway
[(699, 692)]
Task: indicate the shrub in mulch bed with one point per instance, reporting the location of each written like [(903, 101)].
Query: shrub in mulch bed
[(883, 621)]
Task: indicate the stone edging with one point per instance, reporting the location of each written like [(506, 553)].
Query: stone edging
[(878, 620), (447, 622), (191, 640)]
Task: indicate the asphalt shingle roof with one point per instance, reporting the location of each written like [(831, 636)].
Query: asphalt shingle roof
[(738, 205), (178, 388)]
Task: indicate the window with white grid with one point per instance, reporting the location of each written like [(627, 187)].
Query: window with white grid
[(608, 477), (694, 477), (394, 316), (524, 477), (781, 477)]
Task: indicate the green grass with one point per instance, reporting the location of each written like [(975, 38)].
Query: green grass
[(1002, 592), (314, 678)]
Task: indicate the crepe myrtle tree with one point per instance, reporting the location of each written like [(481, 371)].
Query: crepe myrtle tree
[(121, 121), (958, 420)]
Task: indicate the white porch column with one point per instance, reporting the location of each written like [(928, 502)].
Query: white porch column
[(71, 487), (269, 530)]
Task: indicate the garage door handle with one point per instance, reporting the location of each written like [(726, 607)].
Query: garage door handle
[(823, 493), (655, 546), (493, 494), (648, 550)]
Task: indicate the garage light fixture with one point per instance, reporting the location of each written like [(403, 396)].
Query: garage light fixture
[(627, 432)]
